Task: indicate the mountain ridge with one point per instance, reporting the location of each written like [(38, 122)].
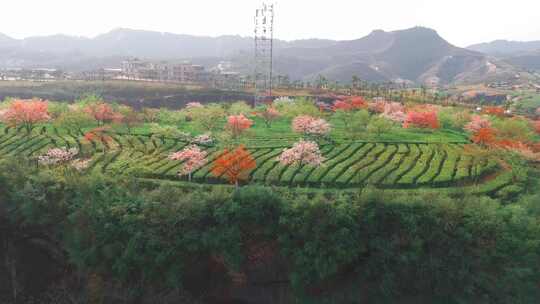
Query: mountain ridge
[(505, 47), (418, 55)]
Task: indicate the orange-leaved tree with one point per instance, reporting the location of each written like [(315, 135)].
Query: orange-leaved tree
[(237, 124), (537, 126), (494, 110), (340, 105), (26, 113), (422, 120), (358, 102), (234, 165), (484, 136), (103, 113), (99, 135)]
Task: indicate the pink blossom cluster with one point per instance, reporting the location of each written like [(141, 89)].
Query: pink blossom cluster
[(394, 111), (538, 112), (57, 156), (2, 113), (477, 122), (302, 153), (26, 111), (193, 105), (193, 158), (377, 106), (238, 124), (310, 125), (203, 139)]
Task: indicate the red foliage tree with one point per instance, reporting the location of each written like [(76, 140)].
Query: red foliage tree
[(102, 113), (351, 103), (99, 135), (484, 136), (357, 102), (526, 151), (508, 143), (536, 125), (340, 105), (422, 120), (234, 165), (26, 113), (495, 111)]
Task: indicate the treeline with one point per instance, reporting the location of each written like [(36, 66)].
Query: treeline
[(134, 94), (71, 238)]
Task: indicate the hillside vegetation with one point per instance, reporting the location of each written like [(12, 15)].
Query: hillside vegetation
[(292, 201)]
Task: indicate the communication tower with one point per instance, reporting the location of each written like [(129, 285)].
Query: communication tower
[(264, 44)]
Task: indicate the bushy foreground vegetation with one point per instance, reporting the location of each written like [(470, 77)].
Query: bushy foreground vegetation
[(120, 241), (100, 203)]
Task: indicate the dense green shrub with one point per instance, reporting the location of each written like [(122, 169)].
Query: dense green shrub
[(374, 246)]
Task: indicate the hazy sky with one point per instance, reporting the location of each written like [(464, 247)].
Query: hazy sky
[(462, 22)]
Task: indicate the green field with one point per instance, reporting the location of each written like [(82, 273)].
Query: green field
[(349, 164)]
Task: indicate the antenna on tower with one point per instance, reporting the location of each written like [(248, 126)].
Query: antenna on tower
[(264, 47)]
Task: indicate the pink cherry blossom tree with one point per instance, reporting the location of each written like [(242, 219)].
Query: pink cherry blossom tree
[(309, 125), (302, 153), (237, 124), (477, 122), (193, 158), (394, 111), (377, 106), (26, 113), (57, 156)]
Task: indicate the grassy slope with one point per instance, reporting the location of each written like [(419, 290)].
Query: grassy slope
[(281, 133)]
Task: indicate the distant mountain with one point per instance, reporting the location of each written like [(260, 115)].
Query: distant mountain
[(413, 55), (417, 55), (527, 61), (522, 54), (147, 44), (505, 47), (6, 40)]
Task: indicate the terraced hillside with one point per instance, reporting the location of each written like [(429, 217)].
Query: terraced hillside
[(348, 164)]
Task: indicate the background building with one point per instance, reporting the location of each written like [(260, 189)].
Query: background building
[(185, 72)]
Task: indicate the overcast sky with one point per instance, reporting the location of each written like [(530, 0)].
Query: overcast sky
[(461, 22)]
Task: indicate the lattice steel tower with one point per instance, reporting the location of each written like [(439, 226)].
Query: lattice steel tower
[(264, 44)]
